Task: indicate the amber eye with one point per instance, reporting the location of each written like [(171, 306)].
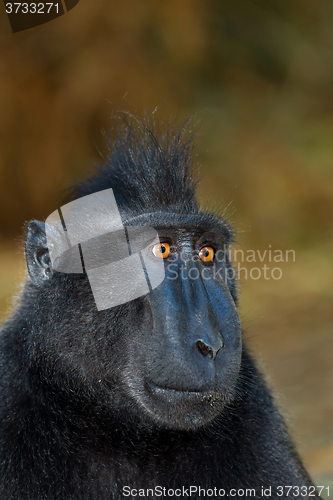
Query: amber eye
[(206, 254), (161, 250)]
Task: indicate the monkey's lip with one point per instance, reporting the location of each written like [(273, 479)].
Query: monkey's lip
[(174, 394)]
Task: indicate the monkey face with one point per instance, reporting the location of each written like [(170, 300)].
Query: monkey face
[(186, 358), (172, 354)]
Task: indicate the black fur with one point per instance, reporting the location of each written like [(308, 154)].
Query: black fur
[(148, 170), (72, 423)]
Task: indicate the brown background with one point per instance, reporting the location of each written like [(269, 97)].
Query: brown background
[(259, 77)]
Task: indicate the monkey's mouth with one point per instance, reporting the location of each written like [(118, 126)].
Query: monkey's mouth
[(181, 407), (180, 395)]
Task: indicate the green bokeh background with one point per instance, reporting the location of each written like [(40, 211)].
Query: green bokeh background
[(258, 75)]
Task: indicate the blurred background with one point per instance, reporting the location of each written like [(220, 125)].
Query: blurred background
[(258, 75)]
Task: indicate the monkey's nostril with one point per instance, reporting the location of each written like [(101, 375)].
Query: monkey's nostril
[(205, 349)]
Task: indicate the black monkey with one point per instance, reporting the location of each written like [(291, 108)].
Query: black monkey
[(156, 393)]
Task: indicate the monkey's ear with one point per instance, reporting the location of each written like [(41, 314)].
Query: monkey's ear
[(37, 253)]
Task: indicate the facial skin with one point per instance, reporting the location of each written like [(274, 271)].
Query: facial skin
[(188, 370)]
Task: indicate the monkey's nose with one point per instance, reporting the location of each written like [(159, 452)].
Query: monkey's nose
[(207, 350)]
